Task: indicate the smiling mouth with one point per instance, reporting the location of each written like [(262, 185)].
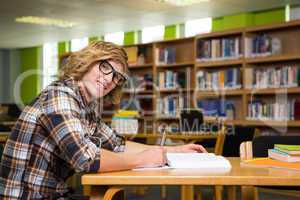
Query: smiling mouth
[(99, 83)]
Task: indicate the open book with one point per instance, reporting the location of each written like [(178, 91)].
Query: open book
[(197, 161), (203, 161)]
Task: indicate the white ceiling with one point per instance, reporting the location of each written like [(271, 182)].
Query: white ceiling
[(97, 17)]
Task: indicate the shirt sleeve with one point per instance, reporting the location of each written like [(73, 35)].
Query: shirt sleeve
[(111, 140), (61, 119)]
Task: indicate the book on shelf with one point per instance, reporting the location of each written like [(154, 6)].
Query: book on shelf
[(272, 77), (281, 110), (262, 45), (219, 49), (165, 55), (219, 79), (171, 79), (141, 59), (139, 83), (215, 107), (170, 105), (132, 53), (136, 55)]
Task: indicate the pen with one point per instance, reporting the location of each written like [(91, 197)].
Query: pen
[(163, 138)]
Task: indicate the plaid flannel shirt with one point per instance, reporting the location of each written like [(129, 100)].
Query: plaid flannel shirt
[(54, 136)]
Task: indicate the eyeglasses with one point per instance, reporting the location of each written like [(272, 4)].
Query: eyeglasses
[(106, 68)]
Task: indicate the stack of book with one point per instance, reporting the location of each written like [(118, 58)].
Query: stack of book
[(219, 80), (125, 122), (219, 49), (285, 153), (169, 79), (273, 77), (280, 110), (165, 55)]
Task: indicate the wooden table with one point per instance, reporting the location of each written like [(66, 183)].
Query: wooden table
[(239, 175)]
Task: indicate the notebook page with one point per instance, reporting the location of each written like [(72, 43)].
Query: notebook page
[(197, 160)]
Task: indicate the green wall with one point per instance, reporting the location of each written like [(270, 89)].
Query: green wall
[(170, 32), (248, 19), (30, 60), (268, 17), (93, 39), (129, 38), (63, 47)]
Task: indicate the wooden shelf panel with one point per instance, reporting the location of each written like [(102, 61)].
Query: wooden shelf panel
[(166, 118), (223, 121), (138, 66), (219, 63), (220, 34), (182, 64), (293, 23), (273, 91), (278, 58), (138, 91), (233, 92), (177, 40), (176, 90), (271, 123)]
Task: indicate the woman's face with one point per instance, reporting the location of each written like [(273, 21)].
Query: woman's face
[(96, 84)]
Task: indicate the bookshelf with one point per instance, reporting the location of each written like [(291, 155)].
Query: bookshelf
[(222, 66), (173, 72)]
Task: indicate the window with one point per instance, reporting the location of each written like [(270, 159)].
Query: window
[(294, 13), (50, 63), (153, 33), (194, 27), (77, 44), (117, 38)]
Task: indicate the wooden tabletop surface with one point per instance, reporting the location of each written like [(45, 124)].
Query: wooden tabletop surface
[(238, 175)]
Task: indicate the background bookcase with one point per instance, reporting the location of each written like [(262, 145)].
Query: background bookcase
[(230, 60)]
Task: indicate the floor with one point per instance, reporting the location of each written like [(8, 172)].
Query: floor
[(173, 193)]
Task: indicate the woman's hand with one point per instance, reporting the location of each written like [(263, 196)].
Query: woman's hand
[(152, 157), (188, 148)]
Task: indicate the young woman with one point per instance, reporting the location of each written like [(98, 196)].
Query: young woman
[(59, 133)]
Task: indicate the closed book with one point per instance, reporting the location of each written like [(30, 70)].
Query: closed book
[(287, 147), (293, 153), (281, 156), (132, 55)]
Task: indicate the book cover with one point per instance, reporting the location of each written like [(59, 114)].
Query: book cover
[(281, 156)]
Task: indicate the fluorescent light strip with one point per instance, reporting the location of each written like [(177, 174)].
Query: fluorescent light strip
[(182, 2), (45, 21)]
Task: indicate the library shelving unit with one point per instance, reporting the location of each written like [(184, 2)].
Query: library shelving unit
[(272, 64), (174, 80), (248, 76), (139, 93), (268, 58), (219, 70)]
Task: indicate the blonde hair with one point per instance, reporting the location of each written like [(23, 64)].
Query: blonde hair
[(80, 62)]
